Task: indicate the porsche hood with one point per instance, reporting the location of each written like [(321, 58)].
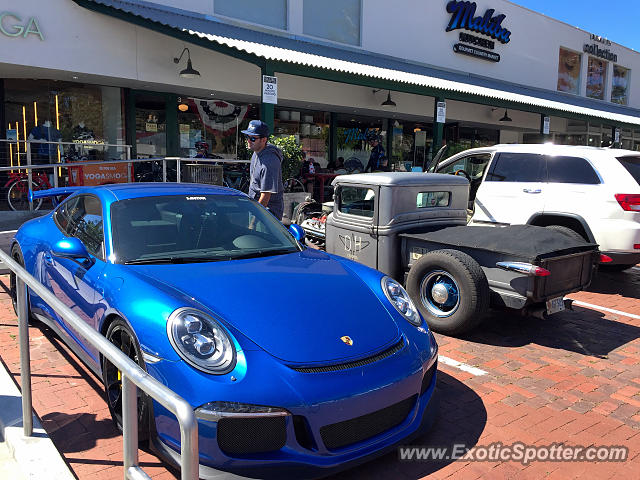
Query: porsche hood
[(304, 308)]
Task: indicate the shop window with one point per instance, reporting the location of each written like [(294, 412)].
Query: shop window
[(571, 170), (411, 144), (335, 20), (596, 78), (620, 85), (211, 128), (353, 133), (517, 167), (569, 71), (89, 115), (310, 129), (271, 13), (459, 137)]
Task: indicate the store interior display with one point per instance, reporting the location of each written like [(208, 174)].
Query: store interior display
[(216, 123), (310, 130)]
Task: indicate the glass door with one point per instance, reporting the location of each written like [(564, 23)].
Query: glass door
[(151, 125)]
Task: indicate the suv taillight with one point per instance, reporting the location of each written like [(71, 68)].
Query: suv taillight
[(629, 202)]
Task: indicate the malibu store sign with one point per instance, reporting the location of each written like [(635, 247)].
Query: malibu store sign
[(12, 25), (463, 17)]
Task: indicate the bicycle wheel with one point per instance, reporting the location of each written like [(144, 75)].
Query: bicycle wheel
[(18, 195), (292, 185)]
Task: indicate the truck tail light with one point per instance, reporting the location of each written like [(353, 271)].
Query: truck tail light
[(526, 268), (605, 258), (629, 202)]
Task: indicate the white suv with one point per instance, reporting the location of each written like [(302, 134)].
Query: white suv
[(592, 191)]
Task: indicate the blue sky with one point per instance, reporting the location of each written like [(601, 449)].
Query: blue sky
[(615, 20)]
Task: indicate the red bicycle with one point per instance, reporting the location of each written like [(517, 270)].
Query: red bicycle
[(18, 193)]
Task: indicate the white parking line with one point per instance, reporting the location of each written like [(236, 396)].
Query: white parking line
[(604, 309), (8, 231), (461, 366)]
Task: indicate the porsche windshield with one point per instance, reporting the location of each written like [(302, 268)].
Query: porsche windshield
[(195, 228)]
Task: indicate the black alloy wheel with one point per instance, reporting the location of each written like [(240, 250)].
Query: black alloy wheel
[(121, 336)]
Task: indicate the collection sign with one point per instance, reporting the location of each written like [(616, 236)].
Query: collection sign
[(463, 17), (596, 51), (12, 25)]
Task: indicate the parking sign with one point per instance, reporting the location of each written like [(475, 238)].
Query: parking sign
[(269, 89)]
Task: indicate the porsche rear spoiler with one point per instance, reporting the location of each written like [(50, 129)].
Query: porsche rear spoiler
[(54, 192)]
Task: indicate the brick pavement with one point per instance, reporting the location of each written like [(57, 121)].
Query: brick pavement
[(574, 378)]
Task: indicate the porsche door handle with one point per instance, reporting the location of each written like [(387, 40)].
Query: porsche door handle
[(532, 190)]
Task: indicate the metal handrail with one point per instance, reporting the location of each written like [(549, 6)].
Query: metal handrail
[(132, 376)]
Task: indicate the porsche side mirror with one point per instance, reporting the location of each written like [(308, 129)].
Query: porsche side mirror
[(73, 249), (297, 232)]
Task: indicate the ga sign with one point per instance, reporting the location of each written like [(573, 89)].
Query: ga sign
[(12, 25)]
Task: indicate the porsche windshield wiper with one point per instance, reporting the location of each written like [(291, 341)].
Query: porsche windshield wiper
[(264, 253), (149, 261)]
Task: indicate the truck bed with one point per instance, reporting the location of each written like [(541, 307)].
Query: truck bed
[(570, 261)]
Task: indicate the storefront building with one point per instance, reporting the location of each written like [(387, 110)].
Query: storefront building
[(164, 79)]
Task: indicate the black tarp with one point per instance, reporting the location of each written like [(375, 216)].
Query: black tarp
[(523, 241)]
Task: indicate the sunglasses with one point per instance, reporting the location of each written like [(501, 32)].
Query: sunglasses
[(253, 139)]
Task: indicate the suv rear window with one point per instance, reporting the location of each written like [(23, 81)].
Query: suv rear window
[(571, 170), (518, 167), (632, 164)]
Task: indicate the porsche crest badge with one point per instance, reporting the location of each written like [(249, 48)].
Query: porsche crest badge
[(346, 339)]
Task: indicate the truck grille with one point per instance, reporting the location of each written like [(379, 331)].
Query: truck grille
[(339, 435), (565, 271)]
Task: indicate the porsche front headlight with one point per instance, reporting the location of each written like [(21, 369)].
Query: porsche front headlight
[(201, 341), (399, 298)]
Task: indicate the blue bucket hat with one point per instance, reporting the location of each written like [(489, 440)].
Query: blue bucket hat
[(257, 128)]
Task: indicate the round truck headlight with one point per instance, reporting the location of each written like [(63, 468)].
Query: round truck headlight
[(399, 298), (201, 341)]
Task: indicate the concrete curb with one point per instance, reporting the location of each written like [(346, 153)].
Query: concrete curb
[(37, 457)]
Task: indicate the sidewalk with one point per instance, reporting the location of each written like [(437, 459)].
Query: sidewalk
[(22, 458)]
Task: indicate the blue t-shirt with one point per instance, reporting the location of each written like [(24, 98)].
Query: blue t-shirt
[(266, 176)]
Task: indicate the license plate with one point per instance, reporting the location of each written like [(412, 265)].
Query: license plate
[(555, 305)]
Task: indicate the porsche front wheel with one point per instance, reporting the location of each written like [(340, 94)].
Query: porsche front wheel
[(122, 337)]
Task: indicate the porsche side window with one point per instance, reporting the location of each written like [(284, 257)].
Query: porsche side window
[(65, 213), (85, 223), (357, 201)]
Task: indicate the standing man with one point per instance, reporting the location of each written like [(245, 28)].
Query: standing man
[(377, 153), (265, 172)]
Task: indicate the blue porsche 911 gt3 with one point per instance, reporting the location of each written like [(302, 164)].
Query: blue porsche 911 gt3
[(297, 363)]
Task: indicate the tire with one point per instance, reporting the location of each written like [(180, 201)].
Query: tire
[(121, 336), (461, 285), (16, 254), (567, 231), (18, 195)]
